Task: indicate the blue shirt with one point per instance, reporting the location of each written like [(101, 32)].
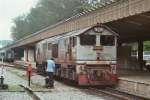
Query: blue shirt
[(50, 66)]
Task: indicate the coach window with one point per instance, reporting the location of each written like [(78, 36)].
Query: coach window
[(87, 39), (107, 40), (55, 50), (49, 46)]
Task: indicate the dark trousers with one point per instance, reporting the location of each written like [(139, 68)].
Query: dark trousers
[(50, 79)]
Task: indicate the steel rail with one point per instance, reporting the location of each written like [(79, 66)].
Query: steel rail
[(30, 93)]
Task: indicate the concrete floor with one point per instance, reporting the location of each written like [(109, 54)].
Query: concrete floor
[(60, 92), (134, 82), (135, 75), (14, 92)]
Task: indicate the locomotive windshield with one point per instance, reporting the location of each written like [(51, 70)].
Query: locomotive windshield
[(87, 39), (107, 40)]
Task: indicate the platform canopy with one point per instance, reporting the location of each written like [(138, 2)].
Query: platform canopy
[(128, 18), (133, 28)]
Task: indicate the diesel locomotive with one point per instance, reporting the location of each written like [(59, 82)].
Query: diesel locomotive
[(86, 56)]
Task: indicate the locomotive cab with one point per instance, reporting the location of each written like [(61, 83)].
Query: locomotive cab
[(96, 56)]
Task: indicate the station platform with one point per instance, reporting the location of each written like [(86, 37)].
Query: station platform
[(25, 63), (134, 82)]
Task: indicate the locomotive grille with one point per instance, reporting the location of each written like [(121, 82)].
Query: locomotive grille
[(98, 72)]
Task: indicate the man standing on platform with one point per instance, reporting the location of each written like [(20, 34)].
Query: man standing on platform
[(50, 71)]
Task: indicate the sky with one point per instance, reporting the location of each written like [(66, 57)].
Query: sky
[(9, 9)]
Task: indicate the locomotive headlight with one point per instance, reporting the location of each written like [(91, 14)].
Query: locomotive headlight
[(98, 29)]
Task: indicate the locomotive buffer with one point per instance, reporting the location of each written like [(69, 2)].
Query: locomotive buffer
[(2, 85)]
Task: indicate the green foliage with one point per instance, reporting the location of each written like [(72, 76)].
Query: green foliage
[(147, 46), (5, 43), (47, 12)]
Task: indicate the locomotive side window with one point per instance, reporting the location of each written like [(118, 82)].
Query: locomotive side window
[(87, 39), (74, 41), (44, 50), (107, 40), (55, 50), (49, 46), (38, 54)]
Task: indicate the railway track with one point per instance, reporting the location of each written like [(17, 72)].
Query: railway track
[(111, 92), (16, 66), (104, 92), (30, 93), (117, 95)]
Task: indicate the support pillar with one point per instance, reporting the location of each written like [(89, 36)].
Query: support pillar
[(34, 54), (26, 58), (140, 54)]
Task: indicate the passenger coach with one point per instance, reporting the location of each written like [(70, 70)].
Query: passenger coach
[(86, 56)]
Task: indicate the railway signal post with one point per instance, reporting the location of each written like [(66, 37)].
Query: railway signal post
[(2, 85)]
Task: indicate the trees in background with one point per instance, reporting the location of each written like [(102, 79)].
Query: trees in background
[(147, 46), (48, 12), (5, 43)]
